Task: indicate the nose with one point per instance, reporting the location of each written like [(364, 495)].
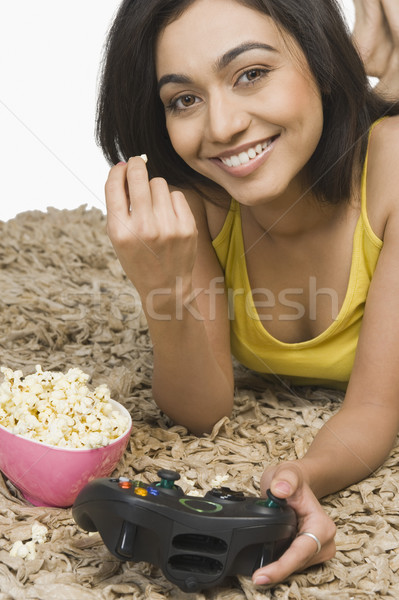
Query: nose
[(226, 118)]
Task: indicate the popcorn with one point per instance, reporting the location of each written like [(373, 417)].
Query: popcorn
[(28, 549), (20, 549), (219, 480), (59, 409), (144, 157), (193, 492), (39, 533)]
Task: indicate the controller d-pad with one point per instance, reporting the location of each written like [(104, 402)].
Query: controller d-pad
[(225, 493)]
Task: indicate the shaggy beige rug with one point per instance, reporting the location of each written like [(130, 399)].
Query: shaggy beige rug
[(65, 302)]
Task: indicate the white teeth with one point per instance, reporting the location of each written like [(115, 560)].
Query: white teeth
[(235, 160), (244, 157)]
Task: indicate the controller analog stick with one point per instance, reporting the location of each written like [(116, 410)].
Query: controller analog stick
[(166, 485), (168, 478), (274, 502)]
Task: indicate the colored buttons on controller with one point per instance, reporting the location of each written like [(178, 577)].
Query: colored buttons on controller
[(124, 483), (127, 484), (153, 491), (140, 491)]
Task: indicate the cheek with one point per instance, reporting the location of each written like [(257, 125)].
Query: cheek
[(183, 139), (309, 103), (296, 100)]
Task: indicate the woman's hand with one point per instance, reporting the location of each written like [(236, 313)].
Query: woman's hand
[(152, 230), (287, 481), (376, 35)]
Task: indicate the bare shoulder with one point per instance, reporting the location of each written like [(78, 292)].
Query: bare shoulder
[(209, 209), (383, 174)]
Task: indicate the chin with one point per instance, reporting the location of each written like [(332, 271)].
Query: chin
[(256, 195)]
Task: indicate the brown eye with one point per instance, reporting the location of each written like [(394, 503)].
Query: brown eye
[(183, 102), (253, 74), (187, 100)]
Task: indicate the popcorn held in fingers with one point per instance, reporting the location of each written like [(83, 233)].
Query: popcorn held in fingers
[(59, 409), (144, 157)]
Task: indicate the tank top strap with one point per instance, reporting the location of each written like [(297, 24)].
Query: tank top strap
[(374, 238), (224, 235)]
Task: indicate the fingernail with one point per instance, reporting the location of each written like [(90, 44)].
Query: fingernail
[(283, 487), (261, 580), (121, 163)]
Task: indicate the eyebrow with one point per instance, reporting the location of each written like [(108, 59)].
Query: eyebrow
[(220, 64)]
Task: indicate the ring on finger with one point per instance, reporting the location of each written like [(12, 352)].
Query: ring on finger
[(314, 537)]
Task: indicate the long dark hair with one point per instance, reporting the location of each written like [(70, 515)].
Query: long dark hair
[(131, 118)]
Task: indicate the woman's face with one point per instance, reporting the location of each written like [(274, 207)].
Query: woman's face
[(241, 105)]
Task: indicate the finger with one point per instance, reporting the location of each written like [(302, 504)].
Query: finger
[(116, 197), (138, 186), (182, 209), (266, 479), (301, 554), (287, 480), (162, 202)]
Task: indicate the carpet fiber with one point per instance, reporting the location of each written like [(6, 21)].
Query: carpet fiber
[(65, 302)]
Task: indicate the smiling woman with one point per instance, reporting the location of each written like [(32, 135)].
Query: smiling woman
[(265, 224), (262, 95)]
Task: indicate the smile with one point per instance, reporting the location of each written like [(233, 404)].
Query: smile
[(245, 157), (245, 162)]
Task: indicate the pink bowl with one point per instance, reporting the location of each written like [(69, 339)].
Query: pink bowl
[(52, 476)]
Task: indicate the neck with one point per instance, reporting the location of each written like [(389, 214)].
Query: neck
[(295, 216)]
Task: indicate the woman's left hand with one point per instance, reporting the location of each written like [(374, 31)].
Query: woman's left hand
[(287, 481)]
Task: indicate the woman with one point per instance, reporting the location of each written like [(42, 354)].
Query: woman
[(271, 216)]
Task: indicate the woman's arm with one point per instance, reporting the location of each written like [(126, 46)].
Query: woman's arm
[(376, 35), (357, 440), (167, 254), (362, 433)]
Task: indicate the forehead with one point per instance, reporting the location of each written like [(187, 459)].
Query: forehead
[(209, 28)]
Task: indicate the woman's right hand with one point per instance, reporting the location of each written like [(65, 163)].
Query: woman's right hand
[(153, 231), (376, 34)]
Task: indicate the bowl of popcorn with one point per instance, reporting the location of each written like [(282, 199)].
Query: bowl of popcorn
[(57, 434)]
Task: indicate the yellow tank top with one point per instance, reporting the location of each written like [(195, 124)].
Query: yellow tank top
[(325, 360)]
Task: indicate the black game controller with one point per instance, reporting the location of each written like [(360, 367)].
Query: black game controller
[(196, 542)]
